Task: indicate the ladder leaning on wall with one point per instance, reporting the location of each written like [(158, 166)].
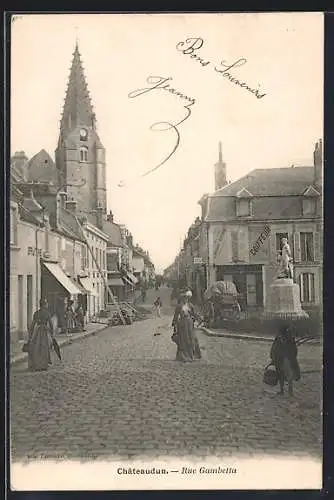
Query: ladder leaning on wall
[(115, 303)]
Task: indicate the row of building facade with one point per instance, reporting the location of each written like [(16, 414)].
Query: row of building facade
[(63, 243), (238, 235)]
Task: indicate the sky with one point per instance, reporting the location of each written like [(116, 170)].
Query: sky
[(280, 54)]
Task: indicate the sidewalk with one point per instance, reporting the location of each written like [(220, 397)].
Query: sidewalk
[(17, 356)]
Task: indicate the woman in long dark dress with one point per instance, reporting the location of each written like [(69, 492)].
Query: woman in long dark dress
[(284, 356), (69, 318), (183, 322), (40, 334)]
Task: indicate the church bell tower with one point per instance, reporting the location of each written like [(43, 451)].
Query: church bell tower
[(80, 155)]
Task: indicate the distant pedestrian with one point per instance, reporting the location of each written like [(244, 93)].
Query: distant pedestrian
[(158, 306), (80, 318), (40, 334), (284, 356), (69, 318)]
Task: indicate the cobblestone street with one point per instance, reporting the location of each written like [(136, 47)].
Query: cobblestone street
[(120, 393)]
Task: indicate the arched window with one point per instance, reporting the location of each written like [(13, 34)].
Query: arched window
[(83, 153)]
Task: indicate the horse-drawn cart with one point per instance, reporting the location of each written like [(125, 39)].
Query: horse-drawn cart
[(221, 303)]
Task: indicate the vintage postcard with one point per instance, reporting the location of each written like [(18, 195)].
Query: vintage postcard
[(166, 230)]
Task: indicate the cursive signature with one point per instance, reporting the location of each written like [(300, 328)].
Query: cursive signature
[(192, 45), (160, 83)]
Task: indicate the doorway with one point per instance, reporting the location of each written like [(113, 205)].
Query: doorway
[(29, 299), (20, 305)]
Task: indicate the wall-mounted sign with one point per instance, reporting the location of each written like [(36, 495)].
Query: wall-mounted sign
[(198, 260), (38, 251)]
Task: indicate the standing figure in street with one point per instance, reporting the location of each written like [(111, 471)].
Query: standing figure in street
[(40, 335), (143, 294), (284, 356), (80, 318), (183, 323), (69, 318), (158, 306)]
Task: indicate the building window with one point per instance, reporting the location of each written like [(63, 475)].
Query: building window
[(309, 206), (306, 247), (83, 134), (307, 287), (234, 240), (46, 239), (84, 260), (244, 207), (13, 225), (83, 154)]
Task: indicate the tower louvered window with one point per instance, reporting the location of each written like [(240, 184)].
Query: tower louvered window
[(83, 154)]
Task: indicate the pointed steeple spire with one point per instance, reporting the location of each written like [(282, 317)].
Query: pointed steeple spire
[(78, 110)]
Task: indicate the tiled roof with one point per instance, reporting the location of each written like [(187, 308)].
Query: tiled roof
[(114, 232), (69, 225), (271, 182), (276, 194), (41, 168)]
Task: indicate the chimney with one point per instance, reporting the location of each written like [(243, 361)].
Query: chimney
[(110, 216), (60, 204), (71, 206), (220, 171), (99, 217), (317, 162), (19, 160)]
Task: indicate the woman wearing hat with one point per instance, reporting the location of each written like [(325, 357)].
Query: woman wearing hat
[(40, 331), (184, 333)]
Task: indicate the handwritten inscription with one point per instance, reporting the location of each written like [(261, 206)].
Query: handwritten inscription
[(191, 46), (160, 83), (260, 240)]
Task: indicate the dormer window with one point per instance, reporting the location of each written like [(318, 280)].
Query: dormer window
[(83, 154), (244, 203), (83, 134), (310, 201)]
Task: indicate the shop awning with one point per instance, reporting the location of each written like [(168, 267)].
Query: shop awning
[(88, 286), (115, 282), (132, 278), (61, 277)]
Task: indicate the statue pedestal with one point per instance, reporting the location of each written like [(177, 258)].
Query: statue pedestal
[(283, 300)]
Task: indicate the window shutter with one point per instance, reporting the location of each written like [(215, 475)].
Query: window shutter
[(316, 239), (296, 246), (301, 290)]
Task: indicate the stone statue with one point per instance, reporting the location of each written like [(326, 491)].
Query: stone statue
[(286, 267)]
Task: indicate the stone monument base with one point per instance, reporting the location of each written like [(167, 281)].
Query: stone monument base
[(284, 301)]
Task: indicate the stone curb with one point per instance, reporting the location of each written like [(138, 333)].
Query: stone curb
[(241, 336), (20, 358)]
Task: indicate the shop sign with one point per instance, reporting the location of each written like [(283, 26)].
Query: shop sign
[(198, 260), (38, 251)]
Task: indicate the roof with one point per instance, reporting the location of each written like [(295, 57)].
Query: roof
[(271, 182), (41, 168), (68, 224), (112, 229), (276, 194)]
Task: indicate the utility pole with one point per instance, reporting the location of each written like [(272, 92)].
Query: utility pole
[(101, 272)]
